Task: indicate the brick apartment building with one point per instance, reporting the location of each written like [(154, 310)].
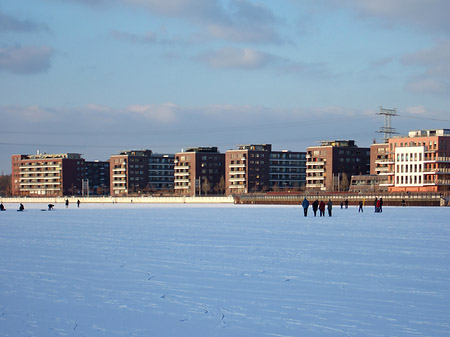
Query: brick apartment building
[(247, 169), (256, 168), (330, 166), (129, 172), (140, 172), (198, 170), (419, 162), (47, 174)]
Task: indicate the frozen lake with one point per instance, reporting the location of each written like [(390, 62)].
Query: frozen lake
[(223, 270)]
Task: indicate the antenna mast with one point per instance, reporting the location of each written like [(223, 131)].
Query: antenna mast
[(387, 129)]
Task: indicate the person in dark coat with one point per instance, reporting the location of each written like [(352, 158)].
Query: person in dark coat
[(78, 203), (381, 205), (305, 205), (360, 209), (67, 203), (2, 208), (330, 206), (322, 208), (21, 207), (346, 203), (315, 206), (50, 207), (342, 204), (375, 204)]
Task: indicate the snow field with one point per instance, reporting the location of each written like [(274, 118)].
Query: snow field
[(223, 270)]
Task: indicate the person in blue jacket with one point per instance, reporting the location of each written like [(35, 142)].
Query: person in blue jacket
[(305, 205)]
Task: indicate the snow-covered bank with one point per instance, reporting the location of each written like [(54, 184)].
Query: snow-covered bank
[(223, 270)]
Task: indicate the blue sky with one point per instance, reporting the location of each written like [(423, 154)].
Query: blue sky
[(101, 76)]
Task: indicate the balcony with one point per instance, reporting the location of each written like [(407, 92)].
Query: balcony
[(243, 165), (181, 174), (315, 170), (316, 178), (237, 179), (178, 180), (318, 163)]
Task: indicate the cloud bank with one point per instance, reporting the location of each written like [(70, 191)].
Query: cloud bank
[(25, 60)]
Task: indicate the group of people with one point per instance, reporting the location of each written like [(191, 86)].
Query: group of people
[(316, 205), (378, 205), (50, 206)]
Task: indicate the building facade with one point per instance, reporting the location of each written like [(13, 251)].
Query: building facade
[(329, 167), (129, 172), (198, 171), (248, 169), (287, 170), (97, 177), (161, 172), (47, 174), (420, 162)]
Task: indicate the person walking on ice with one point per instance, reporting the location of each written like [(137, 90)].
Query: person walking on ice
[(315, 206), (305, 205), (322, 208), (360, 209), (330, 206)]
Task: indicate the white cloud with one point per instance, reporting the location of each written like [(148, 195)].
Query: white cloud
[(243, 58), (25, 60), (164, 113)]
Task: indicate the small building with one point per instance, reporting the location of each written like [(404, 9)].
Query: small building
[(198, 171), (369, 183), (45, 174)]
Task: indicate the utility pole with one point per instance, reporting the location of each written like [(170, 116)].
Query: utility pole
[(387, 129)]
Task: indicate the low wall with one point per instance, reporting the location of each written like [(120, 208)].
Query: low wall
[(140, 200)]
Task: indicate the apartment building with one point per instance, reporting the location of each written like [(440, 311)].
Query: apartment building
[(329, 167), (97, 177), (161, 172), (129, 172), (287, 170), (420, 162), (47, 174), (247, 169), (198, 170)]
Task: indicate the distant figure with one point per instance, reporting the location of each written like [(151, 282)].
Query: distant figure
[(67, 203), (346, 203), (403, 202), (330, 206), (381, 205), (21, 207), (322, 208), (305, 205), (2, 208), (50, 207), (342, 204), (360, 209), (78, 203), (315, 206), (375, 204)]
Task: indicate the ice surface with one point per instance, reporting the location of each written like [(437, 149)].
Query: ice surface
[(223, 270)]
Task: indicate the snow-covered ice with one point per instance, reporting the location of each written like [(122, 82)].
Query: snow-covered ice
[(223, 270)]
